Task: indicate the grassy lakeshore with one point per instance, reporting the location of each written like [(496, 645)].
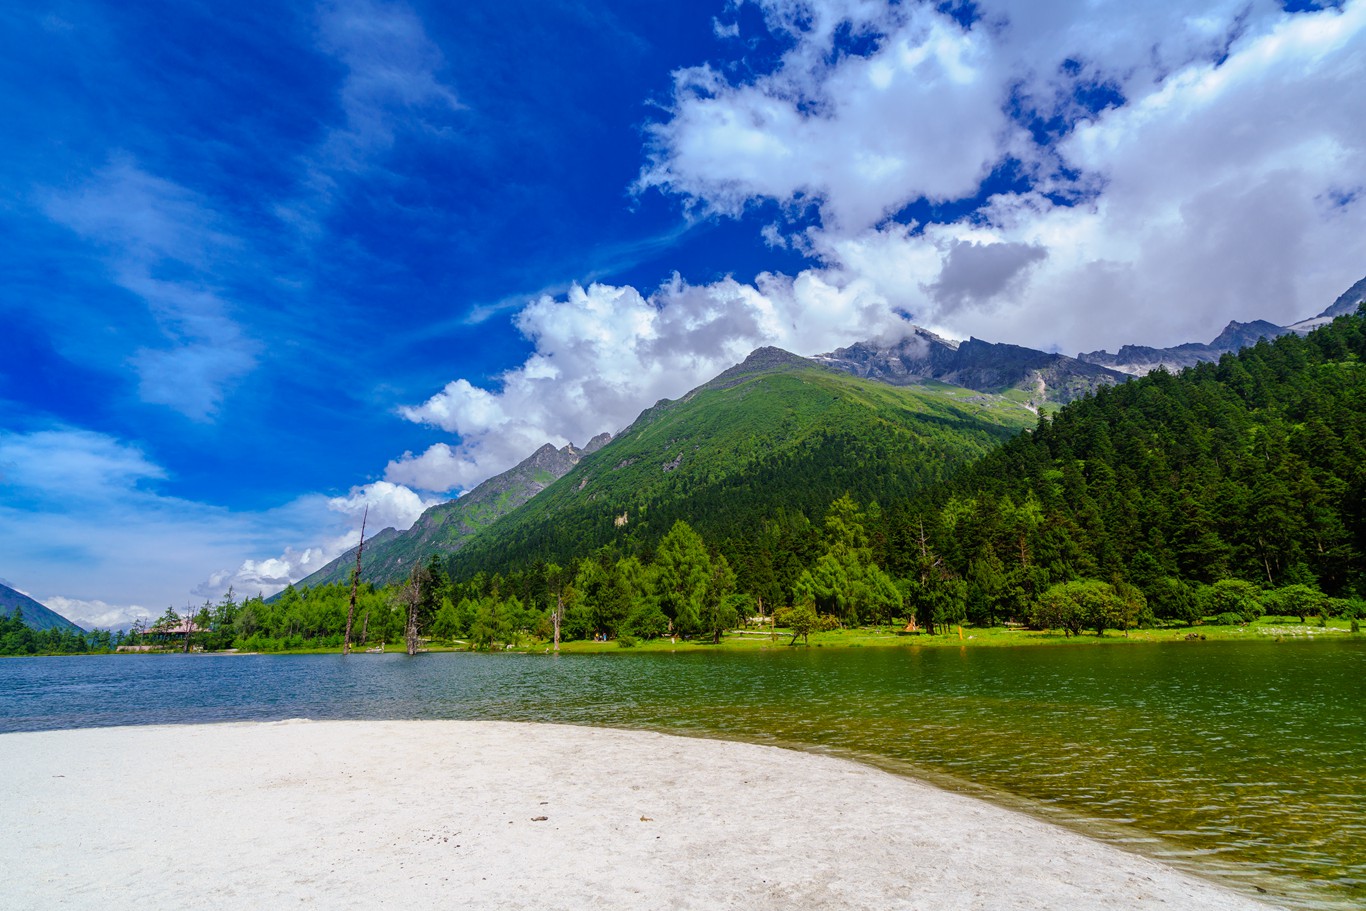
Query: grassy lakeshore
[(1265, 629)]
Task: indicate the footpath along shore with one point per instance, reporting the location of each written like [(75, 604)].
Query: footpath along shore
[(469, 814)]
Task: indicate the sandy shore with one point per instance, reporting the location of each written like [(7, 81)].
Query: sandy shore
[(501, 815)]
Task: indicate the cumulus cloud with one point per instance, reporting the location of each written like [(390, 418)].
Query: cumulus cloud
[(975, 273), (603, 353), (380, 505), (921, 117), (266, 576), (1184, 166), (1217, 177), (96, 614)]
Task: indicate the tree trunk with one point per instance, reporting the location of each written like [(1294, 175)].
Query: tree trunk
[(355, 583), (413, 594), (412, 627), (559, 612)]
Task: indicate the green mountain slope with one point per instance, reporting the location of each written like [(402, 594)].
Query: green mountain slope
[(445, 528), (35, 615), (777, 432), (1249, 469)]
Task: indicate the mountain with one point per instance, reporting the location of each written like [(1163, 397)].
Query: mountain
[(1030, 376), (445, 528), (1247, 469), (1139, 360), (35, 615), (776, 433), (1345, 305)]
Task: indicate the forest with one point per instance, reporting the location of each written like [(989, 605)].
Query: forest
[(1226, 492)]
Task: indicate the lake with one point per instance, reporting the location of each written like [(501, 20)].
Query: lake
[(1243, 761)]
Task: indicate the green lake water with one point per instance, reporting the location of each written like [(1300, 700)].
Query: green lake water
[(1242, 761)]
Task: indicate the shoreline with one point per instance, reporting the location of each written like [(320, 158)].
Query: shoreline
[(541, 816), (1269, 630)]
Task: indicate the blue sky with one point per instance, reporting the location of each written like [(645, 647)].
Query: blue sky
[(265, 264)]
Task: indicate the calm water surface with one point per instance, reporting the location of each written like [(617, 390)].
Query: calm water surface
[(1244, 761)]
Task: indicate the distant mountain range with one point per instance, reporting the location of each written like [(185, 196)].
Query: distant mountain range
[(36, 616), (445, 528), (777, 431), (795, 431), (1138, 360), (1036, 376)]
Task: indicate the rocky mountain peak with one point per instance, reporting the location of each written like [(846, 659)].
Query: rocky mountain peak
[(1141, 359), (975, 364), (1348, 301)]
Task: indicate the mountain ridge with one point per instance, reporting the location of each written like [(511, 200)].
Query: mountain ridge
[(1000, 372), (775, 432), (1138, 360), (990, 367), (36, 615), (446, 527)]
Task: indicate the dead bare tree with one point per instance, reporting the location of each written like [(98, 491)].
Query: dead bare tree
[(555, 577), (930, 567), (355, 583), (412, 596)]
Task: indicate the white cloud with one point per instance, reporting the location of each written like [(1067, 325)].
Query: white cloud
[(98, 614), (604, 353), (83, 523), (1224, 182), (922, 117), (975, 273), (392, 85), (336, 529), (146, 227), (1218, 181), (71, 465)]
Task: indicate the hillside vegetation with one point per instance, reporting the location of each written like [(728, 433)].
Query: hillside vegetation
[(776, 434), (1244, 477), (443, 529), (1211, 498)]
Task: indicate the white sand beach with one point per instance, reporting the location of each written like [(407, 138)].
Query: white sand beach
[(451, 814)]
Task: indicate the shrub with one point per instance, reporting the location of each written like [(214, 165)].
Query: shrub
[(1227, 618), (1352, 609), (1232, 596), (1172, 599), (647, 621), (626, 640)]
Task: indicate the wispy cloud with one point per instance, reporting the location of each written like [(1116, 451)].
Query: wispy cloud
[(169, 249), (83, 522), (392, 85)]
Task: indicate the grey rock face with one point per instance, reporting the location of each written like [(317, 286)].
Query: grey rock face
[(1141, 359), (982, 366)]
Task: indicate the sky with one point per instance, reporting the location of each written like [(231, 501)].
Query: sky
[(266, 265)]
